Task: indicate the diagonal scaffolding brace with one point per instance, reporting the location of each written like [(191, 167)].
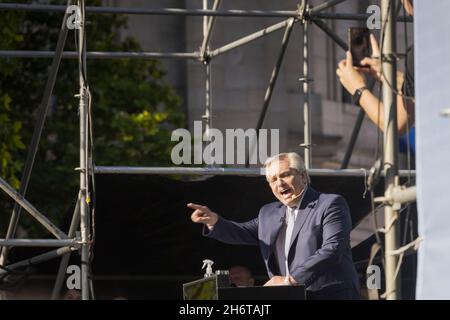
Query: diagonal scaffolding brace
[(41, 115), (270, 88), (22, 202)]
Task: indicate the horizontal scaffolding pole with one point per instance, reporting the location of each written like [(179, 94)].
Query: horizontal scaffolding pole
[(398, 195), (229, 171), (31, 210), (323, 6), (100, 55), (148, 11), (250, 37), (38, 243), (38, 259), (178, 170), (355, 16), (314, 12), (404, 195)]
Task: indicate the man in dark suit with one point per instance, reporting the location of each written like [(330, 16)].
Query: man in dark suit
[(304, 237)]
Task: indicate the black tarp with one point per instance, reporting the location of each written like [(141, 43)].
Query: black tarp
[(143, 227)]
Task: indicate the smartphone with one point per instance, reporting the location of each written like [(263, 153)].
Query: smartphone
[(359, 44)]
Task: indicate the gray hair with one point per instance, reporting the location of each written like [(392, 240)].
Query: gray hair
[(295, 162)]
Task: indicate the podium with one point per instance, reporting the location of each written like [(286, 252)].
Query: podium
[(217, 288), (263, 293)]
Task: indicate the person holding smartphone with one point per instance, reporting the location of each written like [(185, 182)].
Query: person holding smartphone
[(354, 81)]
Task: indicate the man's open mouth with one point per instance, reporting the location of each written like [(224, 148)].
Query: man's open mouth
[(286, 191)]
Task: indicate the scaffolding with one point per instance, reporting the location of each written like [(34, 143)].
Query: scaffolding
[(306, 15)]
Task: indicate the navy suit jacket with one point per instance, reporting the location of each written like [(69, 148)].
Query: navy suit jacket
[(320, 253)]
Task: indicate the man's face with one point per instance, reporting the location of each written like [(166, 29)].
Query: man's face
[(287, 184), (240, 277)]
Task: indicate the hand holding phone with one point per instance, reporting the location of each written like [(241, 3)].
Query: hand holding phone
[(359, 43), (373, 63)]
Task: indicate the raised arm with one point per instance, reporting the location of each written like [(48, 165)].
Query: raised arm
[(203, 214), (352, 78), (225, 230)]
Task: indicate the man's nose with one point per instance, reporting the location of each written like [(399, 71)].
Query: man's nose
[(280, 183)]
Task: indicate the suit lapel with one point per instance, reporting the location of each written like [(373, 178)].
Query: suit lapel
[(277, 223), (308, 203)]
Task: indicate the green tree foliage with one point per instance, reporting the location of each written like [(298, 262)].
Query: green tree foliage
[(134, 109)]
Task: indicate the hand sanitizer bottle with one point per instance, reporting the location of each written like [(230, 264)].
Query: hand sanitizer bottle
[(208, 264)]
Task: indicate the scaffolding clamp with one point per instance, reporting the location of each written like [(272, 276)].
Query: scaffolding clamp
[(303, 11), (306, 80), (307, 146), (204, 56), (398, 195)]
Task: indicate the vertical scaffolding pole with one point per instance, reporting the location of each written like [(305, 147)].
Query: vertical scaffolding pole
[(389, 69), (306, 104), (207, 117), (83, 160), (66, 257)]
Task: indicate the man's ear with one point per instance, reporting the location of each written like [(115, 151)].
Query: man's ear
[(304, 178)]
